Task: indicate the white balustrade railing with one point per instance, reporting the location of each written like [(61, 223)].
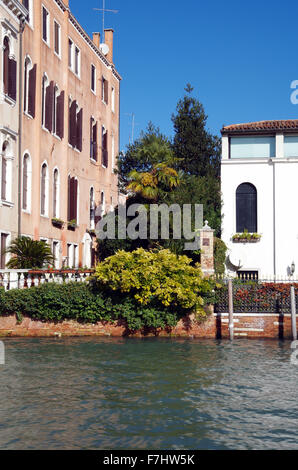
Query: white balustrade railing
[(25, 278)]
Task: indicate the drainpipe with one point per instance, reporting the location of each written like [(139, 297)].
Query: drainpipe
[(22, 27)]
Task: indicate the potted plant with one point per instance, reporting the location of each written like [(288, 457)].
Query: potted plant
[(246, 237), (91, 232), (71, 224), (57, 222)]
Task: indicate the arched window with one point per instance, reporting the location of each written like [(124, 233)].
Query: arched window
[(26, 182), (45, 82), (44, 190), (29, 87), (246, 208), (56, 194), (5, 64), (9, 71)]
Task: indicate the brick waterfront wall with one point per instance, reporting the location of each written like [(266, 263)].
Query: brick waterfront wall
[(216, 326)]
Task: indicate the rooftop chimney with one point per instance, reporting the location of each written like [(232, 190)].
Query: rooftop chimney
[(96, 39), (109, 41)]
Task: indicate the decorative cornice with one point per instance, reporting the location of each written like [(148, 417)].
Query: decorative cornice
[(17, 9)]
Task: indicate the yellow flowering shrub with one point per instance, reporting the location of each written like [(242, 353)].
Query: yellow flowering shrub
[(156, 277)]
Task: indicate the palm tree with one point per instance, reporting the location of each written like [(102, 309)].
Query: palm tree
[(28, 254), (152, 184)]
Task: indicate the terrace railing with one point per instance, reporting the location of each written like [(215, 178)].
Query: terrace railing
[(257, 296), (26, 278)]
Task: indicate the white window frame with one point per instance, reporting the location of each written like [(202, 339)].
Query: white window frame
[(26, 96), (57, 260), (93, 68), (29, 182), (45, 79), (8, 242), (56, 214), (46, 205), (58, 54), (48, 40), (8, 156)]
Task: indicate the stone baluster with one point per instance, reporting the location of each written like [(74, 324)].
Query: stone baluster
[(5, 280), (35, 280), (29, 280), (21, 281)]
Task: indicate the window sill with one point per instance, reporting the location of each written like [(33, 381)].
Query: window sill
[(9, 100), (46, 43), (94, 162), (45, 129), (44, 216), (93, 92), (57, 55), (28, 115), (57, 137), (7, 203), (25, 211)]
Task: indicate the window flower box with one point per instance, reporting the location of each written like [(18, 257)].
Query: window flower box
[(57, 222), (246, 237), (91, 232), (71, 224)]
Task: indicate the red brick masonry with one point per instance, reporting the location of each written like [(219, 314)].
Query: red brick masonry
[(216, 326)]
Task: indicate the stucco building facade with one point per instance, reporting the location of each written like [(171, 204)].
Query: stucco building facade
[(259, 173), (70, 131), (12, 17)]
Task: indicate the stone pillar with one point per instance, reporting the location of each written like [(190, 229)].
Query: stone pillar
[(206, 246)]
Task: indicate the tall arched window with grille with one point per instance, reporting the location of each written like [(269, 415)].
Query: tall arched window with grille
[(44, 190), (26, 182), (246, 208), (4, 173)]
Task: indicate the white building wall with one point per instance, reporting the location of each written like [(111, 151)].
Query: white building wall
[(278, 246)]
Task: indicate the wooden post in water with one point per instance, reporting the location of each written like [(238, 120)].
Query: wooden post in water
[(293, 313), (231, 309)]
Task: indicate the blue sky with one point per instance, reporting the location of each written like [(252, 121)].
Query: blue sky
[(240, 57)]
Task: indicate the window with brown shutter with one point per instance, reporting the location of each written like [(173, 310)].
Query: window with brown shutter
[(32, 91), (26, 84), (104, 159), (45, 25), (57, 38), (95, 141), (79, 140), (12, 79), (49, 107), (3, 248), (60, 116), (5, 65), (73, 124), (43, 189), (72, 198)]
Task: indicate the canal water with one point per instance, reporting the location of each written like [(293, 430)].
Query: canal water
[(148, 394)]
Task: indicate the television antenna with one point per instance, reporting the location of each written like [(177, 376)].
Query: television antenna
[(104, 10), (132, 116)]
